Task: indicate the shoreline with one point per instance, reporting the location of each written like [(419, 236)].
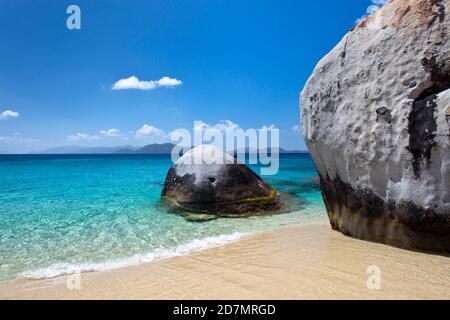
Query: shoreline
[(190, 247), (293, 262)]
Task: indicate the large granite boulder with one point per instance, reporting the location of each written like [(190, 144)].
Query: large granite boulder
[(376, 119), (207, 180)]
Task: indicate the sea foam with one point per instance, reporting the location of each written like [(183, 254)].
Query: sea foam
[(158, 254)]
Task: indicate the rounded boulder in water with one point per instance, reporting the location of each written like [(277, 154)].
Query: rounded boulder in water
[(208, 180)]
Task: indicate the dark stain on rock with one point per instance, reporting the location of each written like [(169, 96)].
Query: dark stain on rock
[(363, 214), (439, 70), (422, 124), (447, 116), (383, 113), (422, 129), (440, 14), (441, 9), (337, 193), (344, 52)]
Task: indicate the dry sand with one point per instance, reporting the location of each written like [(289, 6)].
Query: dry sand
[(299, 262)]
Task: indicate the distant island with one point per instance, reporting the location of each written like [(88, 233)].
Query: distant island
[(165, 148)]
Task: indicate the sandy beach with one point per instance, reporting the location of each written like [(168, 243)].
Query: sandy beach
[(296, 262)]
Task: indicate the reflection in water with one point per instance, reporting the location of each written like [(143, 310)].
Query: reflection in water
[(296, 188)]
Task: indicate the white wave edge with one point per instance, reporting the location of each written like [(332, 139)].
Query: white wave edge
[(192, 246)]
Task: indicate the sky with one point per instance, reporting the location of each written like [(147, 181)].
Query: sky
[(138, 70)]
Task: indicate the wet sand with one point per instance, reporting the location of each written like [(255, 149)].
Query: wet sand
[(297, 262)]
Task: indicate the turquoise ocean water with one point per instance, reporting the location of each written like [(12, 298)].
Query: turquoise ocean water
[(61, 213)]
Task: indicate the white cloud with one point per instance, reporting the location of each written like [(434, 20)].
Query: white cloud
[(200, 125), (297, 129), (16, 139), (149, 132), (374, 7), (225, 125), (184, 136), (8, 114), (168, 82), (380, 2), (111, 133), (134, 83), (81, 137), (222, 125), (268, 128)]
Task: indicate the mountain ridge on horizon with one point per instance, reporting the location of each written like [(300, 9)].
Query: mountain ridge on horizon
[(155, 148)]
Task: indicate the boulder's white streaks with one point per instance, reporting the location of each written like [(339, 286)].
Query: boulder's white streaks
[(203, 161)]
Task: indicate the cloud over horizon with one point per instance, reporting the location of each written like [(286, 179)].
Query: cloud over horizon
[(222, 125), (134, 83), (149, 132), (16, 138), (374, 7), (146, 134), (81, 137), (111, 133), (8, 114)]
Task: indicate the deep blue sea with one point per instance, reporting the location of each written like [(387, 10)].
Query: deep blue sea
[(62, 213)]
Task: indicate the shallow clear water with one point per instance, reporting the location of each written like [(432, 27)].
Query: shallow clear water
[(59, 213)]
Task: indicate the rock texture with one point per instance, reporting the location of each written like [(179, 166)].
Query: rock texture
[(207, 180), (376, 119)]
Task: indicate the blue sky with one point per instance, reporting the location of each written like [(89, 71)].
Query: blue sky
[(243, 61)]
